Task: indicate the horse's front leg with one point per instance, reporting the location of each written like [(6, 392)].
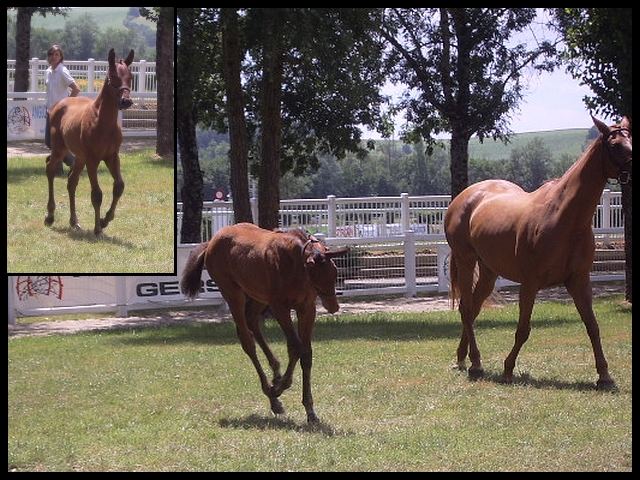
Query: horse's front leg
[(96, 196), (579, 288), (113, 164), (306, 321), (52, 166), (72, 184)]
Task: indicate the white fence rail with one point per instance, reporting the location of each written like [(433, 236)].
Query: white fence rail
[(89, 74)]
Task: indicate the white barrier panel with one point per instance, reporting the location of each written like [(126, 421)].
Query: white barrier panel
[(40, 295), (26, 119)]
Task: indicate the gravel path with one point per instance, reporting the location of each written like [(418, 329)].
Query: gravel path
[(349, 305), (37, 148)]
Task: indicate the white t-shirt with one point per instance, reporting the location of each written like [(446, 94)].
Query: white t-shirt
[(58, 82)]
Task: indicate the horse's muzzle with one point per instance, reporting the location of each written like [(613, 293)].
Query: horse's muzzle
[(330, 303), (125, 103)]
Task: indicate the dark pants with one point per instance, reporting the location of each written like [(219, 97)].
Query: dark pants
[(69, 159)]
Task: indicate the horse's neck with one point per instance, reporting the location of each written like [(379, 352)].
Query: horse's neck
[(580, 188), (106, 103)]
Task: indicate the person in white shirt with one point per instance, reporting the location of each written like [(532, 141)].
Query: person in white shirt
[(59, 81)]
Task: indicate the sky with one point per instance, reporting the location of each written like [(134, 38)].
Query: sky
[(551, 101)]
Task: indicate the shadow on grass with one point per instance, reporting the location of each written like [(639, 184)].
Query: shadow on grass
[(280, 422), (379, 326), (527, 380), (85, 235)]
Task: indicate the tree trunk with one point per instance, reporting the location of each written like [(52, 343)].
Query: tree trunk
[(23, 37), (238, 152), (165, 141), (459, 162), (626, 211), (269, 184), (192, 188)]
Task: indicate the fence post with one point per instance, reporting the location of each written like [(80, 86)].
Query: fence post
[(11, 302), (331, 215), (405, 218), (34, 74), (410, 263), (121, 296), (142, 77), (606, 208), (91, 75), (444, 261)]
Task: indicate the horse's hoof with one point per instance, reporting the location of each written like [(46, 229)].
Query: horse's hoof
[(475, 373), (97, 233), (75, 226), (607, 385), (312, 417), (507, 379), (460, 366), (48, 220), (276, 406)]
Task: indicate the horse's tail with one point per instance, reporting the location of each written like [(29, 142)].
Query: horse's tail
[(454, 290), (192, 273)]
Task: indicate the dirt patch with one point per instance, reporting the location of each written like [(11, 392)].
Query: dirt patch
[(36, 148), (348, 305)]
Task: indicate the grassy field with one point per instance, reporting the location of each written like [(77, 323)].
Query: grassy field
[(187, 398), (139, 240), (106, 17), (559, 142)]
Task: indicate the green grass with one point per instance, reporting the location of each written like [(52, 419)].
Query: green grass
[(187, 398), (139, 240)]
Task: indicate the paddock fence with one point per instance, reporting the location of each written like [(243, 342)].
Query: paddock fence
[(397, 246)]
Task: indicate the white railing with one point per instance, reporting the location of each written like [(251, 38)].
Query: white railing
[(376, 217), (89, 74)]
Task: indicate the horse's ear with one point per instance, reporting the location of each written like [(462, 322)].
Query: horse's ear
[(129, 58), (112, 58), (604, 129), (626, 122), (337, 252)]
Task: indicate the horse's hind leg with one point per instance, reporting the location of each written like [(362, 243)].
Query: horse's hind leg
[(237, 302), (254, 311), (482, 289), (113, 164), (465, 269)]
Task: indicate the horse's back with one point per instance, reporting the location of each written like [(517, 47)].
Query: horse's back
[(253, 259), (475, 198)]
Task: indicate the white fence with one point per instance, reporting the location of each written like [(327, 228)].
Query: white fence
[(26, 110), (397, 247), (376, 217), (89, 75)]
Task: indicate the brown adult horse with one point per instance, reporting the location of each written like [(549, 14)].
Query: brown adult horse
[(256, 269), (89, 129), (538, 239)]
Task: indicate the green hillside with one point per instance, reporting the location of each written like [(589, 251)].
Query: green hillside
[(104, 16), (570, 141)]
